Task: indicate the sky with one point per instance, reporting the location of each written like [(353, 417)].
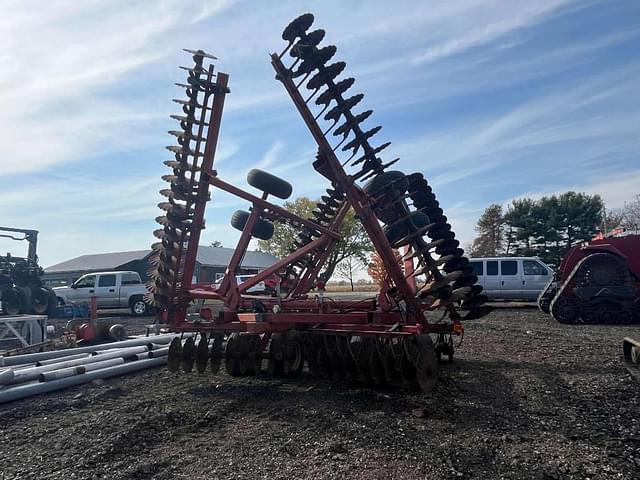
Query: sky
[(490, 99)]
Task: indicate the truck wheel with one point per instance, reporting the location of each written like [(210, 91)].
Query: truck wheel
[(138, 306)]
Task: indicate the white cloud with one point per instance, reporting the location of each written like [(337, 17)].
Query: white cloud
[(56, 60), (516, 16)]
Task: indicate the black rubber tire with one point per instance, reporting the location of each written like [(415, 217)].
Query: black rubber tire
[(262, 228), (399, 230), (136, 303), (293, 361), (14, 305), (40, 297), (269, 183), (53, 303), (397, 180)]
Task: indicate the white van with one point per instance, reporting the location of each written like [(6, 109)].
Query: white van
[(521, 278)]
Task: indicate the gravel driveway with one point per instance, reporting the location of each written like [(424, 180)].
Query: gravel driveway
[(527, 398)]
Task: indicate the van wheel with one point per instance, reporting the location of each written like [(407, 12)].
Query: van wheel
[(138, 307)]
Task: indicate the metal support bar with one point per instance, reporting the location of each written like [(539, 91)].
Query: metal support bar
[(357, 198)]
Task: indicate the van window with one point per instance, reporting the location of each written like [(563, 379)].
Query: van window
[(478, 268), (531, 267), (130, 279), (107, 281), (492, 267), (509, 267)]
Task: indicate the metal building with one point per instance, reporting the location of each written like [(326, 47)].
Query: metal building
[(211, 263)]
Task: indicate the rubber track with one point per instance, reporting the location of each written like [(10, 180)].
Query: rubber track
[(566, 291)]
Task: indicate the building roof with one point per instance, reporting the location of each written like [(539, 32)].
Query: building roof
[(220, 257), (98, 261), (207, 256)]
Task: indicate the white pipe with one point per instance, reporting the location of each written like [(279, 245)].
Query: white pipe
[(36, 357), (90, 367), (142, 356), (161, 352), (29, 374), (42, 363), (22, 391), (57, 374), (6, 376)]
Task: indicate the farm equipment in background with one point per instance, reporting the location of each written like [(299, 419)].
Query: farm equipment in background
[(631, 352), (21, 289), (379, 341), (597, 283)]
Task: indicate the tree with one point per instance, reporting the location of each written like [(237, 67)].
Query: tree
[(216, 244), (519, 220), (377, 270), (548, 227), (631, 214), (611, 219), (490, 237), (348, 267), (354, 241)]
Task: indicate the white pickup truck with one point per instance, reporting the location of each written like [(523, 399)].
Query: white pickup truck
[(112, 289)]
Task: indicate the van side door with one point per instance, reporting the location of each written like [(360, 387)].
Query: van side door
[(535, 277), (477, 267), (492, 279), (107, 291), (510, 278)]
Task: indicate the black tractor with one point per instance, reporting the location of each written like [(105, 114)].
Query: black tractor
[(21, 287)]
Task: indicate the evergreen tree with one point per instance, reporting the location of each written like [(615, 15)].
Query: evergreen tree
[(548, 227), (490, 239)]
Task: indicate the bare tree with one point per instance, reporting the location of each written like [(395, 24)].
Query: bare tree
[(348, 268), (631, 214)]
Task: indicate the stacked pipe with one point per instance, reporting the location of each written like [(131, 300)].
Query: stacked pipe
[(421, 224), (32, 374), (179, 207)]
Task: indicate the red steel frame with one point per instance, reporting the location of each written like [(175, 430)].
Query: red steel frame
[(297, 310)]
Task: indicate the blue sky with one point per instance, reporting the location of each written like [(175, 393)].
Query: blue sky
[(490, 99)]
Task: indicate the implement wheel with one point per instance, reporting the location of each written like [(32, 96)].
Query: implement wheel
[(188, 354), (275, 361), (262, 229), (269, 183), (232, 361), (376, 364), (217, 353), (426, 364), (174, 356), (202, 353), (293, 358)]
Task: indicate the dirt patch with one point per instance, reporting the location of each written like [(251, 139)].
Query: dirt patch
[(527, 398)]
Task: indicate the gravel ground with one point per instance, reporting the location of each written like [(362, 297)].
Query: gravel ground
[(527, 398)]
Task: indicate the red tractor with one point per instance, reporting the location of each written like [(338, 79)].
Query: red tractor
[(599, 283)]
